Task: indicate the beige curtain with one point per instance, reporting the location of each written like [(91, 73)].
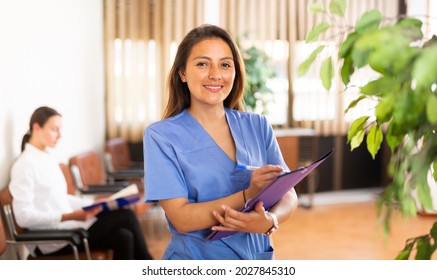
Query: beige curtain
[(270, 20), (141, 37), (140, 40)]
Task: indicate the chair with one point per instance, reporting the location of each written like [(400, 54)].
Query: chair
[(118, 161), (299, 148), (71, 187), (119, 166), (15, 235), (89, 175), (2, 238)]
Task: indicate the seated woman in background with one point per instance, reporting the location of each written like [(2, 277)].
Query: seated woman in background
[(41, 201)]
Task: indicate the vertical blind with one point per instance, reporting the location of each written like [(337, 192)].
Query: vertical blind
[(140, 37)]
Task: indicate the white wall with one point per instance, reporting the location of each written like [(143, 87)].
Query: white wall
[(51, 53)]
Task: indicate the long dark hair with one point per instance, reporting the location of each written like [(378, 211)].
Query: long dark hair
[(179, 94), (39, 116)]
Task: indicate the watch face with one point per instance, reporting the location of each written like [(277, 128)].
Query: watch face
[(272, 230), (275, 224)]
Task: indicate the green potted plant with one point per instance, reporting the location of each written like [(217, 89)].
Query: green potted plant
[(258, 71), (406, 98)]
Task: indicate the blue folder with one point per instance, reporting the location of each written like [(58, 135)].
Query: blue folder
[(115, 203)]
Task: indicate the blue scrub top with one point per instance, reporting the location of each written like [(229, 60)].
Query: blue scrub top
[(183, 161)]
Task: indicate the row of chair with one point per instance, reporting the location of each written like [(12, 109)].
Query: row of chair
[(85, 174), (92, 175), (11, 233)]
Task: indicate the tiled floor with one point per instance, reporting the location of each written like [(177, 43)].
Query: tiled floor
[(339, 226)]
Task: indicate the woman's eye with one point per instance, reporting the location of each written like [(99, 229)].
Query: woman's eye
[(201, 64), (226, 65)]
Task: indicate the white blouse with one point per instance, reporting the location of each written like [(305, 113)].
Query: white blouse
[(40, 197)]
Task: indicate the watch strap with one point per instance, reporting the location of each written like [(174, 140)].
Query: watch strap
[(275, 225)]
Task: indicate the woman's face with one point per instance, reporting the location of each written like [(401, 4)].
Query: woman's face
[(49, 134), (209, 72)]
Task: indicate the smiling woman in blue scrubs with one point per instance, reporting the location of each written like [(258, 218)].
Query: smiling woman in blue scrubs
[(192, 154)]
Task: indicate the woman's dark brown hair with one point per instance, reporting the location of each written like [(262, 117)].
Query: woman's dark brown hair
[(179, 94), (39, 116)]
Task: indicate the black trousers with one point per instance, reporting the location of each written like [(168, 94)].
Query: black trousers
[(118, 230)]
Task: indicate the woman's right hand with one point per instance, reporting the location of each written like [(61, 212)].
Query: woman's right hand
[(261, 178)]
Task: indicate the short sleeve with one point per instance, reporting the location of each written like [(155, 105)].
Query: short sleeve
[(274, 155), (163, 175)]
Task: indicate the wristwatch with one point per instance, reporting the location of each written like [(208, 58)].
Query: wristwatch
[(275, 224)]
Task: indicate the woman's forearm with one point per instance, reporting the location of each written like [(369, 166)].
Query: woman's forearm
[(285, 206), (186, 216)]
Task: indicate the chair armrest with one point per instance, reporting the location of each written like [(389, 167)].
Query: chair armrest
[(50, 235), (102, 188), (137, 164), (81, 231), (131, 173), (111, 187)]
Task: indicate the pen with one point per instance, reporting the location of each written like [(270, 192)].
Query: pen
[(250, 167), (247, 167)]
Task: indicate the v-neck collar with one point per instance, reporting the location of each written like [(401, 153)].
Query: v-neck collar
[(236, 133)]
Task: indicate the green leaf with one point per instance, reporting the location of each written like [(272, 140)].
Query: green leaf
[(357, 139), (423, 246), (431, 109), (305, 66), (411, 28), (394, 58), (360, 57), (326, 73), (314, 34), (374, 140), (394, 137), (410, 22), (346, 70), (380, 86), (337, 7), (406, 57), (424, 195), (374, 39), (425, 68), (381, 59), (354, 103), (405, 254), (410, 109), (369, 21), (384, 109), (356, 126), (316, 8), (433, 231), (408, 205), (346, 46)]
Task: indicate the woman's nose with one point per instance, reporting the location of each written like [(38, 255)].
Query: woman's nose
[(214, 73)]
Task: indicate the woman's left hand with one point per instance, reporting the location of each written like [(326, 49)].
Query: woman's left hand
[(256, 221)]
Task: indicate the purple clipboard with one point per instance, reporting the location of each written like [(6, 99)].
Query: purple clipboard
[(271, 194)]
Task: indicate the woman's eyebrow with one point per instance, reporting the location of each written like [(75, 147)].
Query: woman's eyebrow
[(208, 58)]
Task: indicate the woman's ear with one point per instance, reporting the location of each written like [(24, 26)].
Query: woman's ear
[(182, 76), (35, 126)]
